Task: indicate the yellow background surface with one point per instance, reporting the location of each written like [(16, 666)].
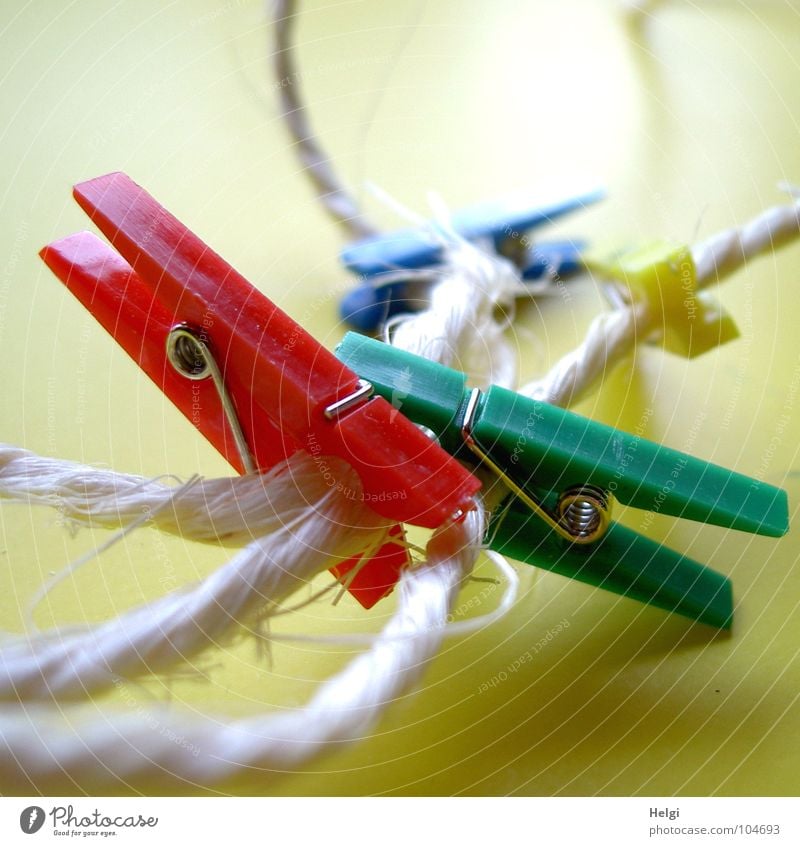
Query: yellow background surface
[(689, 120)]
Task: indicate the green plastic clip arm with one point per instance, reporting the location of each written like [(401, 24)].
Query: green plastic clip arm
[(622, 562), (546, 450), (558, 449)]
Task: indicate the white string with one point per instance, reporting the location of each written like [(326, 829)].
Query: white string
[(452, 627), (308, 526), (469, 309), (78, 661), (230, 510), (613, 336), (164, 750), (51, 583), (722, 254), (156, 637), (332, 194), (298, 522)]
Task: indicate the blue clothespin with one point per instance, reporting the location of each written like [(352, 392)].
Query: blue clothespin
[(383, 261)]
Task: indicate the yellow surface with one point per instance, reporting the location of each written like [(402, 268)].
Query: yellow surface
[(690, 122)]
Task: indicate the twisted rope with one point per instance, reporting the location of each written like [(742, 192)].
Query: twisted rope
[(300, 526), (612, 336)]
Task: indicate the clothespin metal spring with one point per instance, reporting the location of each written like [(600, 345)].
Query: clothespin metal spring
[(192, 358), (583, 512)]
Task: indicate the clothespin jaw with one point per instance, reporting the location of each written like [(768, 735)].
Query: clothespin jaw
[(180, 311), (380, 260), (562, 469), (621, 561), (663, 275)]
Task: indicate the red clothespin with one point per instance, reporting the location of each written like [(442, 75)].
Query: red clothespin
[(253, 381)]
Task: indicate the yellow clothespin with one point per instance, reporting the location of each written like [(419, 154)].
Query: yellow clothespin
[(689, 322)]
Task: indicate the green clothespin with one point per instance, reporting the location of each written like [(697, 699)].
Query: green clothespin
[(562, 470)]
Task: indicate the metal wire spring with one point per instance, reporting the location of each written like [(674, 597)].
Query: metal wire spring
[(584, 511)]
